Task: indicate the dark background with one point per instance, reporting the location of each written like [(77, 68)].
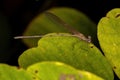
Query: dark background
[(19, 13)]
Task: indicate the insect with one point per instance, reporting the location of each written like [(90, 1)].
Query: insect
[(55, 18)]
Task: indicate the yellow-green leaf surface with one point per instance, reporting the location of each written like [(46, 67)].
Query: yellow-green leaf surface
[(109, 38), (42, 24), (13, 73), (59, 71), (68, 49)]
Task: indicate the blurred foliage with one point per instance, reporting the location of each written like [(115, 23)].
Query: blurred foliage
[(42, 24)]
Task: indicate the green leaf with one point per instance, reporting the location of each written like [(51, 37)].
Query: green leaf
[(109, 38), (68, 49), (13, 73), (43, 25), (59, 71)]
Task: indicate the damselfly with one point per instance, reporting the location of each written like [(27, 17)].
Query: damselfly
[(56, 19)]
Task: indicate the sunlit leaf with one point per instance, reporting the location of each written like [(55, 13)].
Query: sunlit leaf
[(13, 73), (68, 49), (109, 38), (59, 71)]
